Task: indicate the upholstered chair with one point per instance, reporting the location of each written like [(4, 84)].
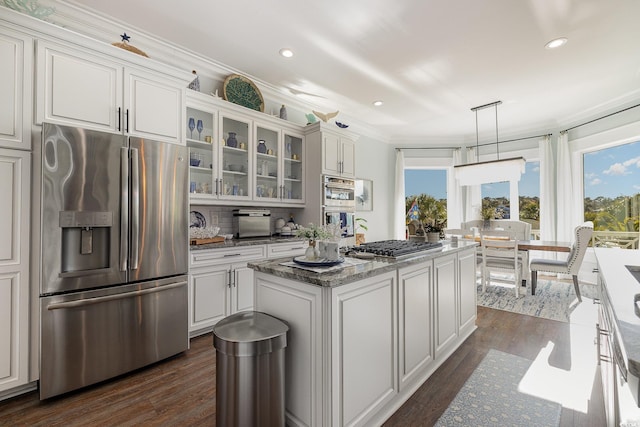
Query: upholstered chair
[(569, 266)]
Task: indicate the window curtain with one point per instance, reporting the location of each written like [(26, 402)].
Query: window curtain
[(547, 191), (399, 213), (473, 196), (454, 194), (564, 206)]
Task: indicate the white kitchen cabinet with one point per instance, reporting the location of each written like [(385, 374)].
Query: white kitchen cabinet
[(466, 284), (364, 374), (220, 284), (101, 92), (16, 67), (339, 156), (415, 310), (445, 303), (233, 169), (14, 268), (279, 172), (287, 249)]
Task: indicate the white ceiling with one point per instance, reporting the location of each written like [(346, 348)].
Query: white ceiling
[(430, 61)]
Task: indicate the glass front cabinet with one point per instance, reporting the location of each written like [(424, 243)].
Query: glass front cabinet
[(236, 157)]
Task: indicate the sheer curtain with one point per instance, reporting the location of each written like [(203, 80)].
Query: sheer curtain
[(473, 196), (399, 213), (547, 191), (454, 194), (565, 220)]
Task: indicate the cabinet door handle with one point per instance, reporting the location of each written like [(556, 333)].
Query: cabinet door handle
[(229, 279), (127, 121), (119, 119)]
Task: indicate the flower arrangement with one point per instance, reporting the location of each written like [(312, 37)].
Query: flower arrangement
[(313, 232)]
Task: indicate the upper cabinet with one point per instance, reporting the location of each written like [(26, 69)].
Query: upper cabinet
[(242, 157), (337, 149), (102, 93), (16, 65)]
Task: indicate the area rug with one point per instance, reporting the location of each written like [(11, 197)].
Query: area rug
[(553, 299), (490, 397)]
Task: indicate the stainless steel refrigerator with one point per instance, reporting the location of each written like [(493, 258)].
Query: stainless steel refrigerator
[(113, 255)]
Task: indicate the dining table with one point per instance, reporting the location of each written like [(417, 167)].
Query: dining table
[(534, 245)]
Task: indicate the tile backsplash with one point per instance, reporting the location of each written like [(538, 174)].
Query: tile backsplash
[(222, 216)]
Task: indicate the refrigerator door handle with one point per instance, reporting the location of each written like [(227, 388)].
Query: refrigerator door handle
[(89, 301), (124, 210), (135, 209)]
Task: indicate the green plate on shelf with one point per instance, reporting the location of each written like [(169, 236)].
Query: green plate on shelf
[(240, 90)]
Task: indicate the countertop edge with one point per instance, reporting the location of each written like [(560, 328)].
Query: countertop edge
[(350, 274)]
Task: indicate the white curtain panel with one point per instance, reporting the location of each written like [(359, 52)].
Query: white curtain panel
[(399, 211), (454, 197), (565, 220), (473, 195), (547, 191)]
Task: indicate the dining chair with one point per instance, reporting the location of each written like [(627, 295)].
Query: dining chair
[(571, 265), (500, 253)]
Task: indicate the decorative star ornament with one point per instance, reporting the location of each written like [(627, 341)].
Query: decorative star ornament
[(125, 37)]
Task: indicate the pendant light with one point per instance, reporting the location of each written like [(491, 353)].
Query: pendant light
[(498, 170)]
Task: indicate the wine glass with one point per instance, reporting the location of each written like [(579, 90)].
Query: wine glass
[(199, 127), (192, 125)]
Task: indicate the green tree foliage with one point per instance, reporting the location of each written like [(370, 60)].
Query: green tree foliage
[(618, 214), (431, 212)]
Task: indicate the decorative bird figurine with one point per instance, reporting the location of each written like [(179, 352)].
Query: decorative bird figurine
[(341, 125), (325, 117), (311, 119)]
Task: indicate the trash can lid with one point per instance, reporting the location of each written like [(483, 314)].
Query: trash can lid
[(249, 326)]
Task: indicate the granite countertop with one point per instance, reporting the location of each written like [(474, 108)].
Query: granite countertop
[(621, 288), (247, 242), (351, 273)]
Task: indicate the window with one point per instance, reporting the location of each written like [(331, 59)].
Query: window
[(426, 191), (611, 184), (495, 200), (529, 195)]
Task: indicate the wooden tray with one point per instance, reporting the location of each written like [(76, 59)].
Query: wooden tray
[(216, 239)]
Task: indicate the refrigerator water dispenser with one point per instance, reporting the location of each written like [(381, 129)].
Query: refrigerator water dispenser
[(85, 240)]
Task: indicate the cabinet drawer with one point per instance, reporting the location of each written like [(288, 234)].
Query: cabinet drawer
[(201, 258), (275, 250)]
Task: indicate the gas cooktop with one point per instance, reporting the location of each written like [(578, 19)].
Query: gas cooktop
[(397, 248)]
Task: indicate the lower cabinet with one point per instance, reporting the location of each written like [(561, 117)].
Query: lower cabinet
[(219, 286), (415, 297), (445, 303), (14, 269)]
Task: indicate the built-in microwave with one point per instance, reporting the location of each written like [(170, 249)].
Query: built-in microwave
[(339, 192)]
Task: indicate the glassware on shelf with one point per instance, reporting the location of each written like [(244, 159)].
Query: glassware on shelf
[(199, 127), (192, 125)]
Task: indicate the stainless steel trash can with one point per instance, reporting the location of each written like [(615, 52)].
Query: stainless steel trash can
[(250, 355)]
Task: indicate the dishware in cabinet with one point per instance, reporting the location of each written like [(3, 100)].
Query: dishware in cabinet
[(278, 165), (267, 160), (292, 187), (236, 164), (200, 129)]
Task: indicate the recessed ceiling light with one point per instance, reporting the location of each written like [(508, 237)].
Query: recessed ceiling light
[(378, 103), (555, 43), (286, 52)]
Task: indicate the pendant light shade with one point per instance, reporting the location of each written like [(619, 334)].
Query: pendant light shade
[(490, 171)]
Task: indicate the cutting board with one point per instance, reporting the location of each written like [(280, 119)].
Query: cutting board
[(216, 239)]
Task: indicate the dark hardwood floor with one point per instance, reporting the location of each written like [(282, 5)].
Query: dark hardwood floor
[(181, 391)]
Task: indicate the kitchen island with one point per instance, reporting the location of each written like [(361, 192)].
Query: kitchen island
[(619, 333), (364, 337)]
